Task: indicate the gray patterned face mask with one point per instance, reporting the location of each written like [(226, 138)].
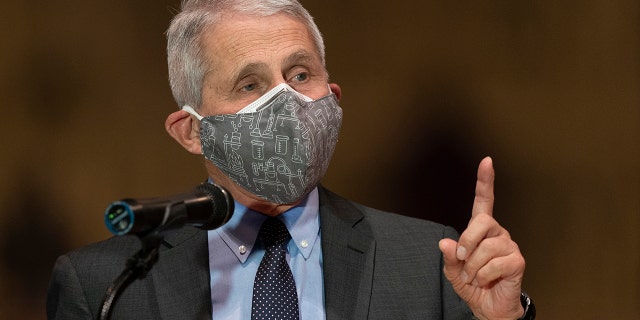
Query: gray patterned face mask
[(277, 147)]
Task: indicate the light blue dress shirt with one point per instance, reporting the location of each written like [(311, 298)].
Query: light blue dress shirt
[(234, 258)]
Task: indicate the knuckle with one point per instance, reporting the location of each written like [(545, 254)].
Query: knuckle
[(514, 247), (484, 218), (471, 266), (520, 263), (485, 276)]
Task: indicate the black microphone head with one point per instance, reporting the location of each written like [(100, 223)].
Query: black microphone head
[(208, 206), (222, 203)]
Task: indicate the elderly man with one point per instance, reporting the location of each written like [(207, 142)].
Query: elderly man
[(256, 102)]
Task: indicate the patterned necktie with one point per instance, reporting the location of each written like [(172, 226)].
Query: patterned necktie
[(274, 290)]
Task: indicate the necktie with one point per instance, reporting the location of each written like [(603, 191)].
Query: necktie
[(274, 290)]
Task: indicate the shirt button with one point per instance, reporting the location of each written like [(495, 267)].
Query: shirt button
[(242, 249), (304, 243)]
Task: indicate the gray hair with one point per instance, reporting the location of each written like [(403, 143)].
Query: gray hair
[(185, 54)]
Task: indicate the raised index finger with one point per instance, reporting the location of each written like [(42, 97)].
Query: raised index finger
[(483, 202)]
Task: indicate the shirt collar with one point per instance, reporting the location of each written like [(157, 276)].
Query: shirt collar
[(302, 221)]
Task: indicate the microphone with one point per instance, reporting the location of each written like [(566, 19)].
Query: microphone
[(208, 206)]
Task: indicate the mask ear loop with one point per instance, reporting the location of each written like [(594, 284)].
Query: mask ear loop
[(192, 112)]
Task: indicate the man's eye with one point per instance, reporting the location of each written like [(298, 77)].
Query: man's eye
[(249, 87), (301, 77)]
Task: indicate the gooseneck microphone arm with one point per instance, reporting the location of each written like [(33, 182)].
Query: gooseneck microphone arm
[(180, 210), (137, 267)]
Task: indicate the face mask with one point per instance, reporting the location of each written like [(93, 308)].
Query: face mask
[(277, 147)]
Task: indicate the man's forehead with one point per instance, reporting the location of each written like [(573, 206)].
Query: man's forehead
[(251, 40), (232, 26)]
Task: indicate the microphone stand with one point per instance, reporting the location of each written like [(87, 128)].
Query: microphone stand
[(139, 265)]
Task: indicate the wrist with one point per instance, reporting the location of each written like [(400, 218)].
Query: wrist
[(529, 307)]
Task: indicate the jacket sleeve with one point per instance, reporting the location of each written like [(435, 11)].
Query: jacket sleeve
[(65, 296)]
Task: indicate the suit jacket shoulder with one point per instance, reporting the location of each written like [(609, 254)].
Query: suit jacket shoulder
[(177, 286), (380, 265)]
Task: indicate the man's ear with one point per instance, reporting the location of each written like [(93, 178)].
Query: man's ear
[(181, 126), (335, 88)]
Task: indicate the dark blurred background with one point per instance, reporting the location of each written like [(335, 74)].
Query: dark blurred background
[(550, 90)]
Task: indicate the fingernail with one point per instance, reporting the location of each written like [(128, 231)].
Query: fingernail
[(464, 277), (461, 253)]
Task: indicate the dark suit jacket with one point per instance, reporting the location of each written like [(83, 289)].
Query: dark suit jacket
[(377, 265)]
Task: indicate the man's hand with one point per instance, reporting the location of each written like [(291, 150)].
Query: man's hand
[(485, 266)]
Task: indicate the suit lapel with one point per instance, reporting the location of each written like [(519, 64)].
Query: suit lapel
[(181, 276), (348, 249)]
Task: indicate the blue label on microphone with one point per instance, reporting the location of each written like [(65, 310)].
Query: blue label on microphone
[(119, 218)]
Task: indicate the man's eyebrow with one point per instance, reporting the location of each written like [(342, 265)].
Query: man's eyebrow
[(250, 68), (300, 56)]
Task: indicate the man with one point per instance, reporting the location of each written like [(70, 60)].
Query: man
[(256, 101)]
